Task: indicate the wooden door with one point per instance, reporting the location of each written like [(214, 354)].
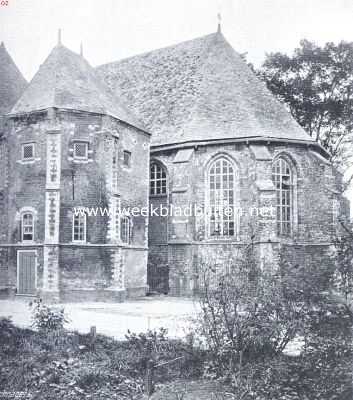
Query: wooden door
[(26, 272)]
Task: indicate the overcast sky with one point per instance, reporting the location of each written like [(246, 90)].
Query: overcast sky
[(114, 29)]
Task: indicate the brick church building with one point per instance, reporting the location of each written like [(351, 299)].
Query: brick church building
[(184, 126)]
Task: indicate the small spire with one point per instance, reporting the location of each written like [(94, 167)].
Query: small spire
[(2, 44), (59, 37), (81, 49), (219, 17)]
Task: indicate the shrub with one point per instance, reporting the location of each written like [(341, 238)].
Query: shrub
[(11, 337), (156, 346), (247, 324), (45, 318), (7, 330), (244, 316)]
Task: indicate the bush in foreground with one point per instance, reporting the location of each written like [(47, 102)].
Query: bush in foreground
[(70, 368), (249, 316)]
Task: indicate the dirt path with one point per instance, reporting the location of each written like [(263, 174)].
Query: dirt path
[(114, 319)]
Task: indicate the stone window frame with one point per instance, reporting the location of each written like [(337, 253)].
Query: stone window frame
[(80, 142), (30, 226), (155, 180), (76, 217), (236, 220), (288, 159), (28, 159), (115, 156), (127, 158), (18, 219), (126, 229)]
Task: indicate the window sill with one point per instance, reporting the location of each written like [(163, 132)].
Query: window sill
[(83, 159), (222, 239), (80, 160), (180, 189), (157, 195), (29, 161)]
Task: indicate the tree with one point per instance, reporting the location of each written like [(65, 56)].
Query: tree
[(342, 292), (316, 84)]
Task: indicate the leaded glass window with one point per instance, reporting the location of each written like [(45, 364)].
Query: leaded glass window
[(158, 180), (283, 181), (221, 194)]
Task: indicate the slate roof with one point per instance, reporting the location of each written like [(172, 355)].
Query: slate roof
[(12, 82), (66, 81), (199, 90)]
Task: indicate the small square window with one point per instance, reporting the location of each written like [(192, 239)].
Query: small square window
[(28, 151), (127, 158), (81, 150)]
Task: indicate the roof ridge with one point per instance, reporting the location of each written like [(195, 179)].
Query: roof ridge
[(66, 80), (12, 82), (155, 50), (196, 104), (56, 72), (199, 90), (104, 89), (272, 97), (205, 51), (231, 52), (4, 49), (34, 76)]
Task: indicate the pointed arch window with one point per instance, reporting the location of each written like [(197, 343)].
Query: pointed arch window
[(221, 196), (27, 224), (282, 175), (158, 180)]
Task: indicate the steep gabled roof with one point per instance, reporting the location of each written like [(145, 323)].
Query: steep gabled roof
[(199, 90), (12, 82), (65, 80)]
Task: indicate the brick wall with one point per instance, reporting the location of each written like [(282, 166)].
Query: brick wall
[(177, 243), (135, 276), (317, 187), (83, 184), (84, 268), (158, 268)]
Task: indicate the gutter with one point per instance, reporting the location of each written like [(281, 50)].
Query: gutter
[(246, 140), (72, 110)]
